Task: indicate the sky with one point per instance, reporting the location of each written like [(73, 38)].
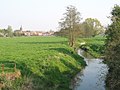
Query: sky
[(44, 15)]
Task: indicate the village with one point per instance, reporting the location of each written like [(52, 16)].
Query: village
[(22, 32)]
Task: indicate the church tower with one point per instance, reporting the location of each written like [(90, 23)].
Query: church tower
[(21, 28)]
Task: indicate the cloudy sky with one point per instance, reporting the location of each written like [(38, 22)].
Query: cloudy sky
[(44, 15)]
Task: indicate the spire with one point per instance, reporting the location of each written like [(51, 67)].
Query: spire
[(21, 28)]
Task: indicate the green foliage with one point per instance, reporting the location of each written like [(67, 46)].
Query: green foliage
[(46, 63), (113, 50), (92, 27)]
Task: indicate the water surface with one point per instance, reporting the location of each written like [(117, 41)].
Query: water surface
[(92, 77)]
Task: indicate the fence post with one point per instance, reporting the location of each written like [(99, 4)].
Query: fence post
[(15, 67), (2, 68)]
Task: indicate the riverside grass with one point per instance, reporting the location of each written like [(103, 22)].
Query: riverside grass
[(46, 63), (95, 45)]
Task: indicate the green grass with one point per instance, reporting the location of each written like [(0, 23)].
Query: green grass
[(46, 63), (95, 45)]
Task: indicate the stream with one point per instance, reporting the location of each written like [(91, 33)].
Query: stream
[(92, 77)]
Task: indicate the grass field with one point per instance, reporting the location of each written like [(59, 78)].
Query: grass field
[(46, 63)]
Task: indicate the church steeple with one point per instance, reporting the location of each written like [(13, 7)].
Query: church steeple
[(21, 28)]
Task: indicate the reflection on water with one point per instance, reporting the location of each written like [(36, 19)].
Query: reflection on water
[(92, 77)]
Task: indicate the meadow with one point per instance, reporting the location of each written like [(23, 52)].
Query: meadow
[(46, 63)]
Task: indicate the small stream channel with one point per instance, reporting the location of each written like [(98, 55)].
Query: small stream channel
[(92, 77)]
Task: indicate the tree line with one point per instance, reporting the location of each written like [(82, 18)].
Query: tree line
[(72, 27), (112, 51)]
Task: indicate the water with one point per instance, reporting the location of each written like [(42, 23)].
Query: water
[(92, 77)]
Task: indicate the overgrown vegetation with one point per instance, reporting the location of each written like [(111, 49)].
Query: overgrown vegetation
[(112, 51), (46, 63)]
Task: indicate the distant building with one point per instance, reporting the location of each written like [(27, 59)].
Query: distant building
[(20, 32), (32, 33)]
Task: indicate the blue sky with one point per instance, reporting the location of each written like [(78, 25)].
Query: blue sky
[(44, 15)]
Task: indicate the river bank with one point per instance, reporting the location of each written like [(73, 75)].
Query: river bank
[(94, 46)]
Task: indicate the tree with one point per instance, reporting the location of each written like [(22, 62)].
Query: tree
[(92, 27), (112, 51), (3, 33), (70, 24), (9, 31)]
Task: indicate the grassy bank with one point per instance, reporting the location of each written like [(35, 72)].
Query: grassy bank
[(94, 45), (46, 63)]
